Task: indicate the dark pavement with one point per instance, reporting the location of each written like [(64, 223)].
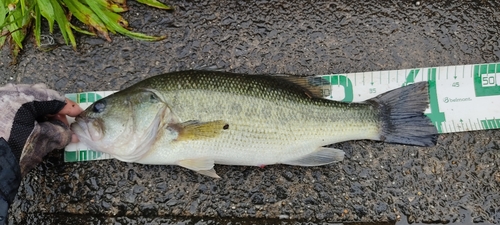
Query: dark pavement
[(456, 181)]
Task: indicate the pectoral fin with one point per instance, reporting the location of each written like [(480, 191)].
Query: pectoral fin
[(203, 166), (322, 156), (194, 130)]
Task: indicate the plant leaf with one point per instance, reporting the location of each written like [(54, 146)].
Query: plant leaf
[(63, 23), (114, 22), (87, 16), (81, 30), (16, 26), (47, 11), (2, 39), (154, 3), (3, 15), (23, 6), (111, 6), (38, 25)]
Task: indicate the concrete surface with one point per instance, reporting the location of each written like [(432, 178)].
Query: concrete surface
[(456, 181)]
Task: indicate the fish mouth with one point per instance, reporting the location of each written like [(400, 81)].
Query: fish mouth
[(84, 131)]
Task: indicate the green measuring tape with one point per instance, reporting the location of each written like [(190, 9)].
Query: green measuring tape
[(462, 98)]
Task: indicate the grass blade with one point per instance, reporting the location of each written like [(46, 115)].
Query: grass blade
[(47, 11), (23, 6), (64, 25), (154, 3), (114, 22), (3, 15), (87, 16), (111, 6), (16, 26), (38, 26), (77, 29)]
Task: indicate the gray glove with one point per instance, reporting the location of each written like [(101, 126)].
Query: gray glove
[(32, 123)]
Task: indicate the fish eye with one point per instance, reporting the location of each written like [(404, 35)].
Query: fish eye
[(99, 106), (153, 98)]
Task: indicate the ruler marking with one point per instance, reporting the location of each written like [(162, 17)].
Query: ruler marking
[(495, 74), (463, 73), (485, 124), (473, 126)]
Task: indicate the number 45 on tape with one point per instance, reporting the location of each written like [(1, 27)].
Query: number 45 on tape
[(462, 98)]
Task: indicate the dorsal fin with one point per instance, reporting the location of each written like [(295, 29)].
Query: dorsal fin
[(314, 86)]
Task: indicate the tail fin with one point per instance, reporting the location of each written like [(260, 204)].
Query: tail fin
[(402, 116)]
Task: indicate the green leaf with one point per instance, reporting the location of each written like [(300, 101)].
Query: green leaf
[(2, 40), (114, 22), (47, 11), (23, 7), (38, 25), (15, 51), (154, 3), (111, 6), (87, 16), (81, 30), (63, 23), (121, 2), (3, 15), (18, 21)]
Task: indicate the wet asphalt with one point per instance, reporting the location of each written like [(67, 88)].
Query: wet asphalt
[(456, 181)]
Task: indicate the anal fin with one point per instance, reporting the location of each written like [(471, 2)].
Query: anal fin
[(322, 156), (203, 166), (210, 173)]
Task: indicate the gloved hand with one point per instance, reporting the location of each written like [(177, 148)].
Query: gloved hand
[(32, 123)]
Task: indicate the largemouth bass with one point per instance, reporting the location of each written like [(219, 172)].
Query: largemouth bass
[(196, 119)]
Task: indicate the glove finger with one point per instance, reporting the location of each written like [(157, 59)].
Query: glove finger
[(46, 136), (71, 109)]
